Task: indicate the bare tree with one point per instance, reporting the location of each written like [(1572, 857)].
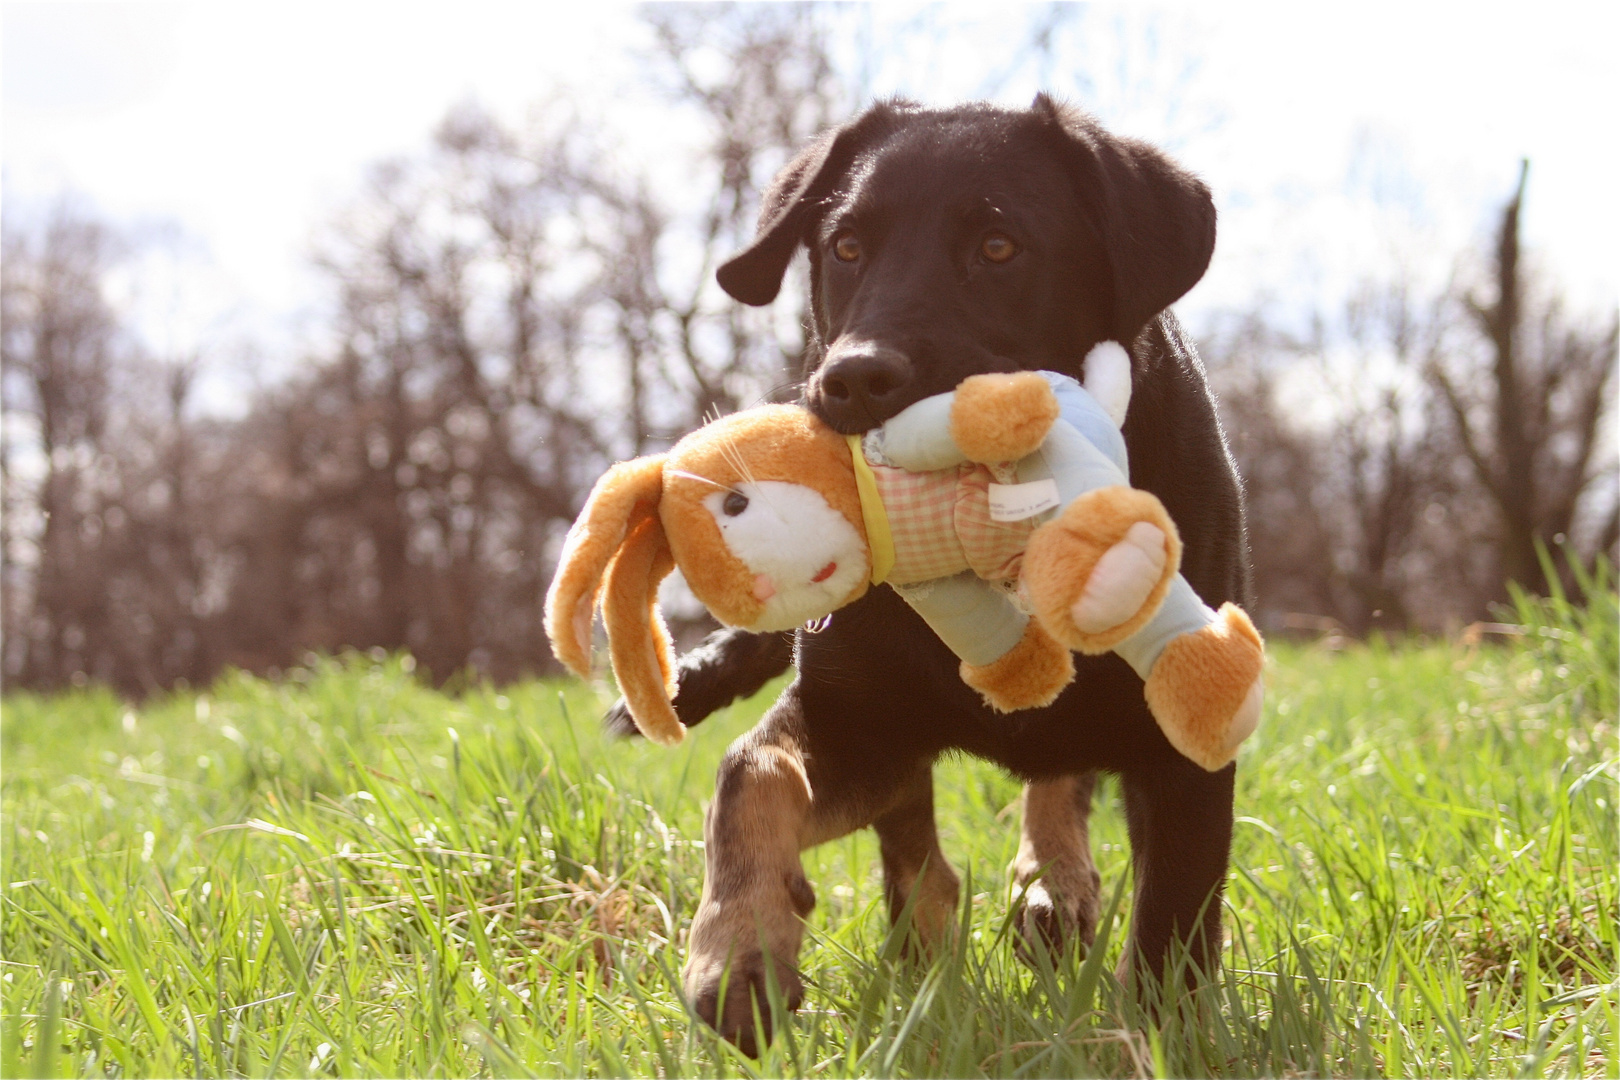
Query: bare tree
[(61, 340), (760, 79), (1527, 409), (421, 470), (1342, 493), (104, 504), (1451, 435), (514, 308), (506, 321)]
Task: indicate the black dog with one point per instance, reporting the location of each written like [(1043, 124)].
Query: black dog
[(945, 243)]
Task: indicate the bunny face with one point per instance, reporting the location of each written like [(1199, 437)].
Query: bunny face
[(762, 518), (806, 559), (759, 510)]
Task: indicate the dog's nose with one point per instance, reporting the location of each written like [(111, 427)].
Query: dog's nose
[(860, 385)]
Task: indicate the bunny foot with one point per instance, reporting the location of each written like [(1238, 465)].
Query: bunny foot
[(1029, 675), (1205, 689), (1099, 572)]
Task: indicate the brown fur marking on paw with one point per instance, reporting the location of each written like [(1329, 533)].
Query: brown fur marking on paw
[(750, 920), (1062, 554), (1030, 675), (1002, 417), (1200, 681), (1054, 868)]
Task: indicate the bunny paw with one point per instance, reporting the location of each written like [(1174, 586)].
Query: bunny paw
[(1122, 579), (1002, 417), (1099, 571), (1206, 691)]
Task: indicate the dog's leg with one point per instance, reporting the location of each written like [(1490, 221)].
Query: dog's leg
[(914, 866), (728, 665), (1180, 821), (1054, 868), (749, 923)]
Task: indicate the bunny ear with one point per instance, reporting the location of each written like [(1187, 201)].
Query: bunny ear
[(625, 496), (638, 641)]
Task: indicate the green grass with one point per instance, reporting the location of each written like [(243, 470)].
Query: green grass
[(347, 873)]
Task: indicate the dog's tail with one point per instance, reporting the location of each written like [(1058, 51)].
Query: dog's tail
[(728, 665)]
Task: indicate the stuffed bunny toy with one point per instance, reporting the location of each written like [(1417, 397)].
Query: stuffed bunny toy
[(1000, 512)]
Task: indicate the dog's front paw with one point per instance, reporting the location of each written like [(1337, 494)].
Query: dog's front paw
[(725, 994), (1050, 921), (738, 949)]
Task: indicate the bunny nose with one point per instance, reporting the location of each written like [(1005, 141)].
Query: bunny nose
[(764, 588)]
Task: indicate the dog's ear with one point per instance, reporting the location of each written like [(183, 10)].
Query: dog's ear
[(754, 275), (626, 496), (1156, 219)]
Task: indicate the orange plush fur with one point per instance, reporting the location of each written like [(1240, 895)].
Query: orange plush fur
[(1002, 417), (626, 495), (1029, 676), (646, 516), (1201, 676), (771, 442), (1062, 553)]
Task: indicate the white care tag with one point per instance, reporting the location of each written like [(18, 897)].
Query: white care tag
[(1015, 502)]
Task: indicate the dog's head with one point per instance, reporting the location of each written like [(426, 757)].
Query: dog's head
[(948, 243)]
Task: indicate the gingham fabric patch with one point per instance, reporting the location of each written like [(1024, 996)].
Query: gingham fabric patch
[(942, 525)]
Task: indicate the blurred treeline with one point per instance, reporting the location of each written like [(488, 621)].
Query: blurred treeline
[(514, 309)]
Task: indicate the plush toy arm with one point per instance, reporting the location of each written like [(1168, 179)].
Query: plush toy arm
[(1075, 461), (1090, 416), (918, 438), (976, 620), (987, 419)]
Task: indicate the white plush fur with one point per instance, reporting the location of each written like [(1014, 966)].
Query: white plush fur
[(789, 534), (1108, 378)]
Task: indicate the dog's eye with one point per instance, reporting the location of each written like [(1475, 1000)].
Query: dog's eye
[(846, 248), (734, 504), (998, 248)]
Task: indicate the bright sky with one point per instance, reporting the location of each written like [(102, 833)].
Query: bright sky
[(1340, 139)]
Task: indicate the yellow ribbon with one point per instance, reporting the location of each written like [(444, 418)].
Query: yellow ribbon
[(878, 536)]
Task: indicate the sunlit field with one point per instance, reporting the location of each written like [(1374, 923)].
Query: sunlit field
[(347, 873)]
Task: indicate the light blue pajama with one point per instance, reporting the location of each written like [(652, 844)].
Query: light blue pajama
[(1084, 451)]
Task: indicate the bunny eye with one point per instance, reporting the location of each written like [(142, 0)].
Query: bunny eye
[(734, 504)]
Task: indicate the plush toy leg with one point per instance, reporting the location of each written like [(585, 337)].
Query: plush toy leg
[(1205, 689), (1099, 572), (1029, 675)]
